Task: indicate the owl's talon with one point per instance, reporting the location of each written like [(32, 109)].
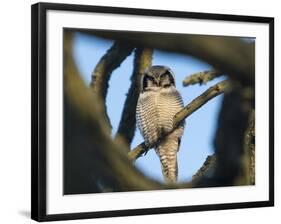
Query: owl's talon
[(145, 152), (145, 149)]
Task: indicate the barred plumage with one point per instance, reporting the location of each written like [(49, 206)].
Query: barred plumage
[(158, 102)]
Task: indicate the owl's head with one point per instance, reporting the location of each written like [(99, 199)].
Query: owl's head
[(157, 76)]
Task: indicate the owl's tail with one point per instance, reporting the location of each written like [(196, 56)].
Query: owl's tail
[(167, 152)]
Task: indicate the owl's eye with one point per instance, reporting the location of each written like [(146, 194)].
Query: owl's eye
[(167, 79), (167, 85), (148, 81)]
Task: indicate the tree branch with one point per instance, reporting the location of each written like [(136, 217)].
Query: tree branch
[(249, 151), (127, 125), (184, 113), (103, 70), (227, 54), (109, 162), (229, 140), (201, 77), (206, 170)]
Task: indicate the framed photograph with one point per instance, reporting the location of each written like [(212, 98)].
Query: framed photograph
[(139, 111)]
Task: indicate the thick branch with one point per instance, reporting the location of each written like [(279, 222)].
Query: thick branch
[(109, 162), (103, 70), (229, 143), (201, 77), (184, 113), (127, 125), (230, 55), (206, 170), (229, 140), (249, 151)]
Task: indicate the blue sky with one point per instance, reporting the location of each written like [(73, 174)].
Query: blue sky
[(197, 141)]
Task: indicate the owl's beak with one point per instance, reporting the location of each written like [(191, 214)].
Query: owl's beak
[(158, 80)]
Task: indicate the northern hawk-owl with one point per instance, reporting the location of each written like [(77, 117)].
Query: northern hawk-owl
[(158, 102)]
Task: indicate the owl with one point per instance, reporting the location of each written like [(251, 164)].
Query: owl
[(158, 102)]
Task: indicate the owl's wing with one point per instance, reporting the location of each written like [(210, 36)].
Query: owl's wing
[(147, 119), (169, 103)]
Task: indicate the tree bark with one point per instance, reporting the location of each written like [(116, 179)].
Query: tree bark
[(201, 77), (103, 70), (127, 125)]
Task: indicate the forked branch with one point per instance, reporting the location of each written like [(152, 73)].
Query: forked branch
[(109, 162), (103, 70), (127, 125)]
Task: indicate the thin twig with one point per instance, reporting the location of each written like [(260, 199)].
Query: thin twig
[(184, 113), (201, 77)]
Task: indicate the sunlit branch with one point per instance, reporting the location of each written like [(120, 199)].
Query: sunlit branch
[(201, 77)]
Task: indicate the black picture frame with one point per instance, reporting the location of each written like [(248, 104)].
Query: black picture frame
[(39, 122)]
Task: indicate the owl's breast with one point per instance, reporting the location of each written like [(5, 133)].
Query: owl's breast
[(155, 112), (169, 103)]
